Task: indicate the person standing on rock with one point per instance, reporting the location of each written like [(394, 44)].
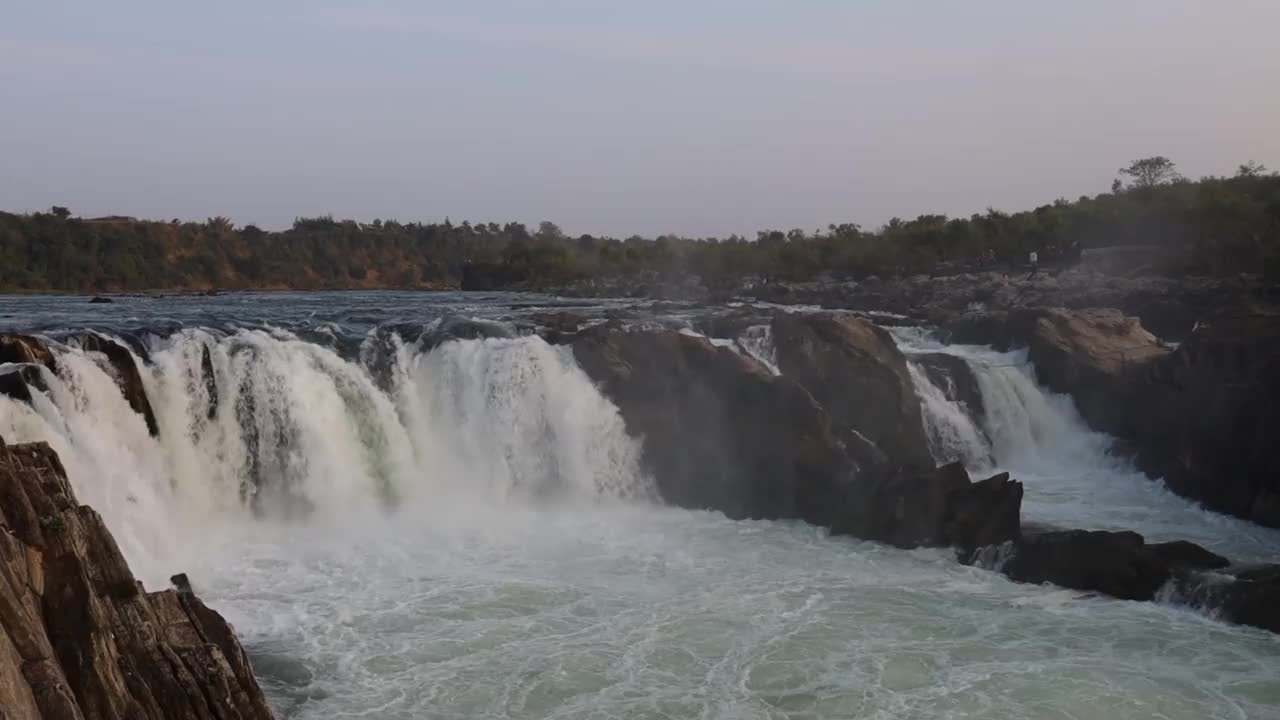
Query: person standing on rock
[(1035, 264)]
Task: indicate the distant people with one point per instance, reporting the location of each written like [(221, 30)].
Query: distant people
[(1035, 264)]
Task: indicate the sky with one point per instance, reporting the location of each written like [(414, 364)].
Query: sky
[(697, 117)]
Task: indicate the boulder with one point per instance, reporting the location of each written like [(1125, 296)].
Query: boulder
[(953, 375), (26, 349), (1201, 416), (1120, 564), (100, 300), (126, 373), (1248, 595), (937, 508), (856, 371), (80, 638), (720, 432), (16, 382), (1096, 356)]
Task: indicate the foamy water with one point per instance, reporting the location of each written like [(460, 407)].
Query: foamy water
[(464, 532)]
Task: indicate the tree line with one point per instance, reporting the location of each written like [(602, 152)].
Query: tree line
[(1214, 225)]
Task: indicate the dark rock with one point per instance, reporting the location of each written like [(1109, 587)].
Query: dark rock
[(1202, 416), (462, 328), (1244, 595), (16, 382), (99, 300), (78, 636), (857, 373), (987, 512), (210, 382), (556, 327), (1187, 555), (719, 431), (26, 349), (931, 509), (953, 375), (1111, 563), (181, 583), (126, 374)]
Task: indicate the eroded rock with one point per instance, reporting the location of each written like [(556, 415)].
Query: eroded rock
[(79, 638)]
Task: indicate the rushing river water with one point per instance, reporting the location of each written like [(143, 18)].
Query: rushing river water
[(464, 532)]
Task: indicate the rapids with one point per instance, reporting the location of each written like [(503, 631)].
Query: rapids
[(399, 529)]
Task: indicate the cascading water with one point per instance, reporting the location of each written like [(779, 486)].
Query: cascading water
[(258, 423), (1072, 477), (433, 532)]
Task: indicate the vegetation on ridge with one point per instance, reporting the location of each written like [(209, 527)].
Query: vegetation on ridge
[(1215, 225)]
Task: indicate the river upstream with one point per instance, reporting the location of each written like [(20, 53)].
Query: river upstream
[(400, 529)]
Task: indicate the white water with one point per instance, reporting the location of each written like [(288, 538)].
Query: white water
[(519, 577), (1071, 477)]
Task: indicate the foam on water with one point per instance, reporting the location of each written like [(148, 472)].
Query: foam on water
[(465, 532)]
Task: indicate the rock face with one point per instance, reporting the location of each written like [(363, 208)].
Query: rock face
[(1202, 416), (718, 430), (932, 509), (953, 375), (26, 349), (79, 638), (126, 375), (721, 432), (1096, 356), (855, 370)]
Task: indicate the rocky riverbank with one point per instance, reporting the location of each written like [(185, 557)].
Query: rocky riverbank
[(721, 431), (80, 637)]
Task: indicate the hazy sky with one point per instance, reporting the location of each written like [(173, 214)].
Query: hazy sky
[(689, 116)]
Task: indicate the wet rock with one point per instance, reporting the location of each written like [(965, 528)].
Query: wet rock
[(126, 373), (462, 328), (556, 327), (1111, 563), (855, 370), (210, 382), (719, 431), (953, 375), (26, 349), (1200, 416), (1247, 595), (1184, 554), (100, 300), (17, 381), (79, 638), (935, 508), (1120, 564)]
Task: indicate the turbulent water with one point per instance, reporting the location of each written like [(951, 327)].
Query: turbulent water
[(400, 529)]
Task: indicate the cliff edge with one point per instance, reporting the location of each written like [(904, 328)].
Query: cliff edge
[(79, 636)]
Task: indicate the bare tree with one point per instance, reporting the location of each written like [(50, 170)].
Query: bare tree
[(1152, 171), (1251, 169)]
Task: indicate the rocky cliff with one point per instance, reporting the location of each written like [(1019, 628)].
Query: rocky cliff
[(80, 638)]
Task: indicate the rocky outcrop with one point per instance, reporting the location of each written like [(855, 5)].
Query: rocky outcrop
[(126, 373), (856, 371), (939, 508), (1248, 595), (953, 375), (1097, 356), (719, 431), (79, 638), (1125, 566), (1200, 416), (26, 349)]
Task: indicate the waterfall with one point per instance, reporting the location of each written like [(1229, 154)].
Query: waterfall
[(953, 433), (263, 425), (757, 341)]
